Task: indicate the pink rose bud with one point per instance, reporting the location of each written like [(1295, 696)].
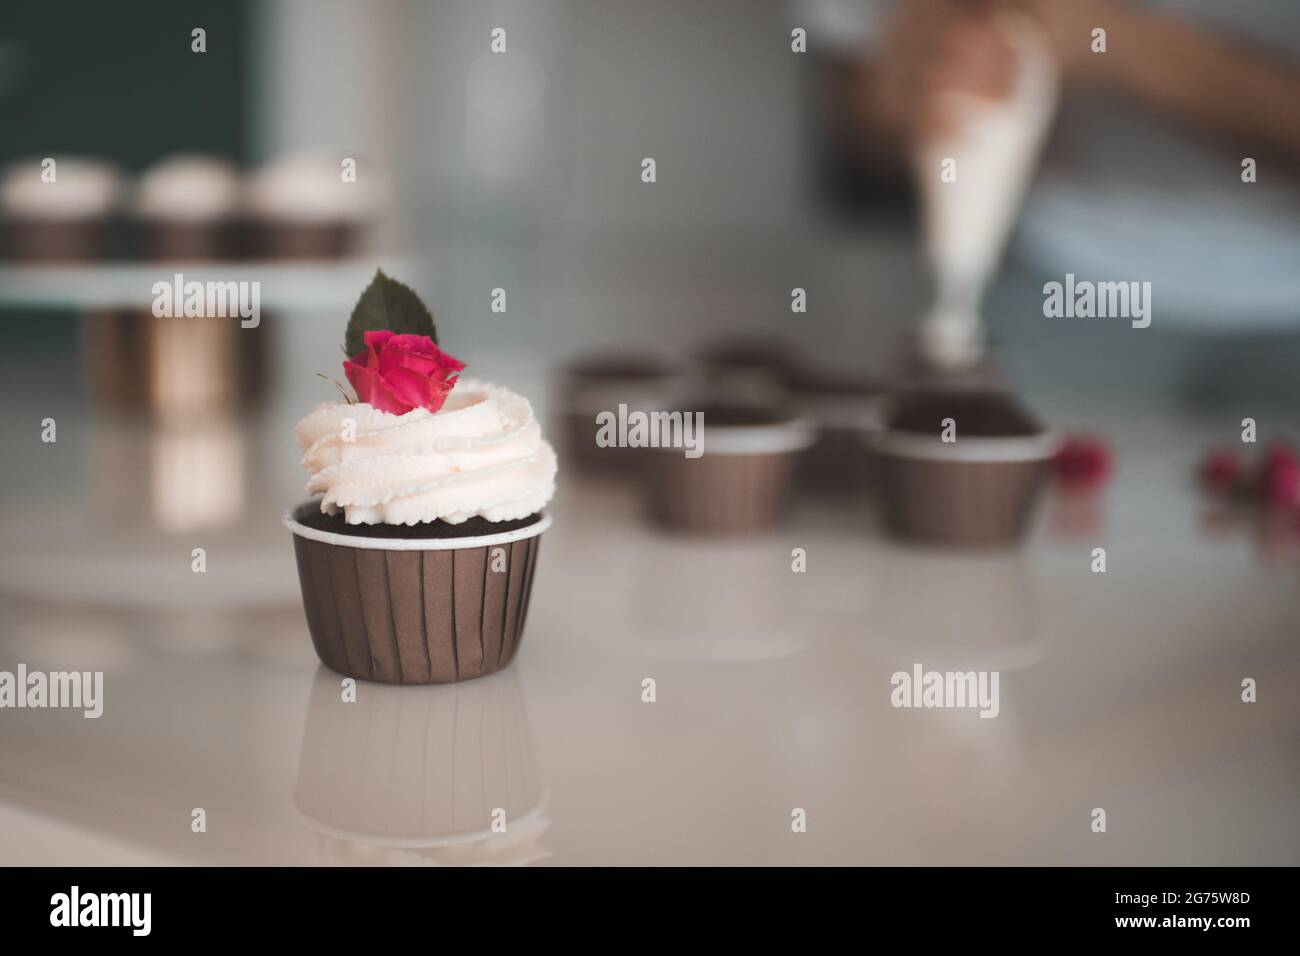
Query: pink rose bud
[(1083, 463), (1221, 471), (396, 373)]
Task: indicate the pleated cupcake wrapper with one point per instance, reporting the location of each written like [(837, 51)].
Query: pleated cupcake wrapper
[(283, 239), (54, 240), (959, 501), (718, 493), (179, 240), (837, 464), (402, 768), (405, 615)]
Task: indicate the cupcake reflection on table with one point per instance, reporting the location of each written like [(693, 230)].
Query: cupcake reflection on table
[(417, 561)]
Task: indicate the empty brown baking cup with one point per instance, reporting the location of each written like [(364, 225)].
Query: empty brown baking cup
[(415, 610), (741, 482), (845, 408), (980, 490), (174, 240), (601, 383), (285, 239), (57, 241)]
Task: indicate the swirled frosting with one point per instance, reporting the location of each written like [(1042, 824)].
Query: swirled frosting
[(482, 453), (189, 188), (82, 189)]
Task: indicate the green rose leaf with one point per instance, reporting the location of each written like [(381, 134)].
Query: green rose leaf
[(387, 304)]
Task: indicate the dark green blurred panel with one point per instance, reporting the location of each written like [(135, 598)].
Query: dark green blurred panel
[(118, 79)]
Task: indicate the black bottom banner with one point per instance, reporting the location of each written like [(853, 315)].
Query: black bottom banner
[(369, 904)]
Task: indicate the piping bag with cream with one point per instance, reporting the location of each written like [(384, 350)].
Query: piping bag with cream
[(967, 220)]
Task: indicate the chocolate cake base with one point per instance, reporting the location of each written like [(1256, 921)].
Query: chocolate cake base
[(311, 516)]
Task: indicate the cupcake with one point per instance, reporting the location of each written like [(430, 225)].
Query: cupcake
[(300, 207), (845, 406), (59, 213), (596, 384), (745, 368), (187, 208), (417, 560), (964, 468), (731, 471)]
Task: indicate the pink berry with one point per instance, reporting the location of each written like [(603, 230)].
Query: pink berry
[(1278, 454), (1281, 482), (1083, 463)]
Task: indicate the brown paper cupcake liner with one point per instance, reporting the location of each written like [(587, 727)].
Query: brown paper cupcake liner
[(269, 239), (427, 611), (838, 465), (963, 502), (75, 241), (978, 490), (720, 494), (176, 241)]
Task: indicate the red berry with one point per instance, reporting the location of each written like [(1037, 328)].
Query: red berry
[(1221, 470), (1083, 463), (1277, 455), (1281, 482)]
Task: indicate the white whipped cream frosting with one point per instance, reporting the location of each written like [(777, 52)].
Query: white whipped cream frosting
[(189, 188), (82, 189), (482, 454), (307, 188)]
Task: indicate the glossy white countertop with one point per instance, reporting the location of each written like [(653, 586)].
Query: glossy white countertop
[(1118, 690)]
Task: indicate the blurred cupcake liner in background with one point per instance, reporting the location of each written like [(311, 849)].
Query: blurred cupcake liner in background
[(743, 480), (979, 489), (846, 406), (602, 382)]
